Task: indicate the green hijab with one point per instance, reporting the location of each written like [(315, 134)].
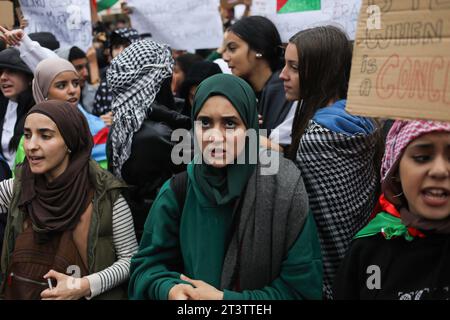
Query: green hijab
[(223, 185)]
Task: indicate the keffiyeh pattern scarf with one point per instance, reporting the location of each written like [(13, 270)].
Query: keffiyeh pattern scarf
[(341, 181), (134, 77)]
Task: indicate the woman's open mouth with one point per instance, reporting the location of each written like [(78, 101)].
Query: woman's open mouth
[(435, 197), (35, 160)]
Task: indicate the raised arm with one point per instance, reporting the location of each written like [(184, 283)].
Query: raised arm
[(31, 51)]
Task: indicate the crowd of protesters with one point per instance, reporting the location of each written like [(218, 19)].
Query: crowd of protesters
[(281, 194)]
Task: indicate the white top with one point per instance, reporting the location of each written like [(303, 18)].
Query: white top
[(282, 133), (8, 132), (223, 65), (32, 53), (124, 240)]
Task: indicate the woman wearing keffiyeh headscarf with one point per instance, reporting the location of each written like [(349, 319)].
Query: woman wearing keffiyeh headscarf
[(139, 145), (241, 233), (135, 78), (63, 211), (403, 253)]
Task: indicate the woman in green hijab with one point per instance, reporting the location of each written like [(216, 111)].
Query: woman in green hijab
[(232, 227)]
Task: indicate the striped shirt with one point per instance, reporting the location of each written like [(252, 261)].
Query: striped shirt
[(124, 240)]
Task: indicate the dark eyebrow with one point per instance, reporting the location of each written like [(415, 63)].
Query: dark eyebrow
[(61, 82), (45, 130), (224, 118), (40, 130), (422, 145), (231, 118)]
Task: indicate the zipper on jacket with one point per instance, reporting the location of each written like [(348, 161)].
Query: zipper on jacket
[(12, 275)]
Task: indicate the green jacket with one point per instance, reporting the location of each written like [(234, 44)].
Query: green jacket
[(101, 252), (195, 245)]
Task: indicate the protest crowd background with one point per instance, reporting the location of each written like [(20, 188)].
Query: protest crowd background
[(224, 150)]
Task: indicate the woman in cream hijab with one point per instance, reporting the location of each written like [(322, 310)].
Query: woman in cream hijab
[(57, 79)]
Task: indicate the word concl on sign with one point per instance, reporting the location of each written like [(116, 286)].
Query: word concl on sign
[(425, 79)]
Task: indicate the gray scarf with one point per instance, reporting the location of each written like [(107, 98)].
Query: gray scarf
[(273, 211), (134, 77)]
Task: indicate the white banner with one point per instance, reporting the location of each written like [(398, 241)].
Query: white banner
[(291, 16), (68, 20), (182, 24)]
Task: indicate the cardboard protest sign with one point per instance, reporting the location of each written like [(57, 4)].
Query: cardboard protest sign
[(68, 20), (291, 16), (193, 24), (6, 14), (401, 60)]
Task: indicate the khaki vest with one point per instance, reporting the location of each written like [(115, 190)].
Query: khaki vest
[(100, 247)]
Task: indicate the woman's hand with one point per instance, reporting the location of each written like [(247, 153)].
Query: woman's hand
[(180, 292), (201, 290), (107, 118), (67, 288), (11, 37)]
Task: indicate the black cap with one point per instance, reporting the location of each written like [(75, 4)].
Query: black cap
[(45, 39), (124, 34), (10, 58)]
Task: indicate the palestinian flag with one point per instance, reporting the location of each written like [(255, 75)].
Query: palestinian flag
[(291, 6), (105, 4)]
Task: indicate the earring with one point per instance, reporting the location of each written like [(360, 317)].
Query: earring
[(398, 195), (69, 151), (259, 55)]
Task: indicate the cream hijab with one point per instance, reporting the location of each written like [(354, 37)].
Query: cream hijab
[(45, 72)]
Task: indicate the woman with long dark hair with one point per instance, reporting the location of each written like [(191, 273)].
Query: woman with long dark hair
[(336, 151)]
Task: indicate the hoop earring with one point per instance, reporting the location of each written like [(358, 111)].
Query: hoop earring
[(398, 195), (259, 55)]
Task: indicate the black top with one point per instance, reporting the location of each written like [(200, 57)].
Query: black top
[(272, 104), (395, 269)]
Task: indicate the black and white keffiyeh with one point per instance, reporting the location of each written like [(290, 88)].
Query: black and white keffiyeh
[(134, 77), (341, 180)]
